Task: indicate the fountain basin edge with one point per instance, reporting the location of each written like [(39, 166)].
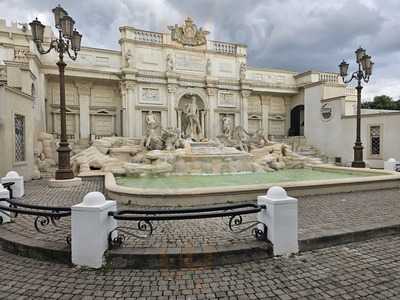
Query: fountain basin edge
[(376, 179)]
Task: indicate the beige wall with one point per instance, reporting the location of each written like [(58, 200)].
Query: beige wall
[(15, 102), (335, 137)]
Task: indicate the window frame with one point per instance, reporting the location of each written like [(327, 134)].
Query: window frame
[(16, 161), (370, 154)]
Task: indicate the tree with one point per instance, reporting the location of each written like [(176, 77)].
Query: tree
[(382, 102)]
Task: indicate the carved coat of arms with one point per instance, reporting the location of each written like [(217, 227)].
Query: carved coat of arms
[(188, 34)]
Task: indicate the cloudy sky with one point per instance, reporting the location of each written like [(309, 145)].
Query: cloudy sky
[(290, 34)]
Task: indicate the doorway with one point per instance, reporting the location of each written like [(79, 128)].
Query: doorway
[(297, 121)]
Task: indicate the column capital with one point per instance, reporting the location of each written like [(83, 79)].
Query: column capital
[(172, 88), (245, 93), (129, 85), (212, 91)]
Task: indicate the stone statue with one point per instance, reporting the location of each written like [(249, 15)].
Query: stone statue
[(240, 136), (172, 138), (191, 112), (243, 69), (227, 127), (208, 67), (151, 127), (170, 63), (129, 59), (258, 139)]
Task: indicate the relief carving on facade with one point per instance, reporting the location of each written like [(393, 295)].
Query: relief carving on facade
[(227, 100), (150, 95), (188, 34), (21, 54)]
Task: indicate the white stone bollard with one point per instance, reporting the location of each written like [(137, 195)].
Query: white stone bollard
[(4, 194), (90, 226), (281, 220), (390, 164), (18, 186)]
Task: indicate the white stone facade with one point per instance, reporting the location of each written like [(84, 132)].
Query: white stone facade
[(110, 92)]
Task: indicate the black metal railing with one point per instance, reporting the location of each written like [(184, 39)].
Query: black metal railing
[(44, 215), (144, 220)]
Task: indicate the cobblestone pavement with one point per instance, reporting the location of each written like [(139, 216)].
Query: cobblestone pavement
[(367, 270), (318, 216)]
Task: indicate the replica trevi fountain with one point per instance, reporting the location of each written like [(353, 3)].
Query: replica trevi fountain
[(169, 150)]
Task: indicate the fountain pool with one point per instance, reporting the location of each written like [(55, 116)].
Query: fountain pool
[(191, 190)]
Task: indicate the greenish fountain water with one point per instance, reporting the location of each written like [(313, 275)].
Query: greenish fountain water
[(199, 181)]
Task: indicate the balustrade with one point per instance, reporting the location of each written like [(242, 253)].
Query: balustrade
[(329, 77), (222, 47), (148, 36)]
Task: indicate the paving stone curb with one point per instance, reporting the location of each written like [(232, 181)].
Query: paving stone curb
[(346, 238), (28, 247), (168, 258)]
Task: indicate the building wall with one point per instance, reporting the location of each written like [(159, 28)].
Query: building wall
[(93, 108), (335, 136), (14, 102)]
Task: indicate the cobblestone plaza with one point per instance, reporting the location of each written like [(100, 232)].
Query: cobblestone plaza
[(365, 269)]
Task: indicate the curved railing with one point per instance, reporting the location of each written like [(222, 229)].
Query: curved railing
[(144, 220), (45, 215)]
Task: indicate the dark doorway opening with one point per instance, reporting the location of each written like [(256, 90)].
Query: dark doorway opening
[(297, 121)]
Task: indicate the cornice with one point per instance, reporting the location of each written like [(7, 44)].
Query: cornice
[(272, 70), (19, 92), (68, 69)]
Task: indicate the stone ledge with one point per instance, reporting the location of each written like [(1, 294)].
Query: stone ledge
[(54, 183)]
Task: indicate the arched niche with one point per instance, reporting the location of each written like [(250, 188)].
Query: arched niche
[(192, 116)]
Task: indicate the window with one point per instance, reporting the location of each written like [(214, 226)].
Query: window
[(19, 123), (375, 140)]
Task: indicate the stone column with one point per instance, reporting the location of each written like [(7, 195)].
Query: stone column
[(244, 116), (90, 227), (84, 93), (172, 122), (286, 102), (117, 98), (281, 220), (265, 102), (203, 120), (212, 104), (133, 118), (179, 119), (124, 110)]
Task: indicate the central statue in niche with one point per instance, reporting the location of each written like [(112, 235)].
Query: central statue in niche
[(191, 120)]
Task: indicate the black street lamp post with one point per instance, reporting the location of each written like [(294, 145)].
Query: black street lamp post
[(68, 39), (364, 72)]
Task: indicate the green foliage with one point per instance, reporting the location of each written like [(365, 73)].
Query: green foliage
[(382, 102)]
